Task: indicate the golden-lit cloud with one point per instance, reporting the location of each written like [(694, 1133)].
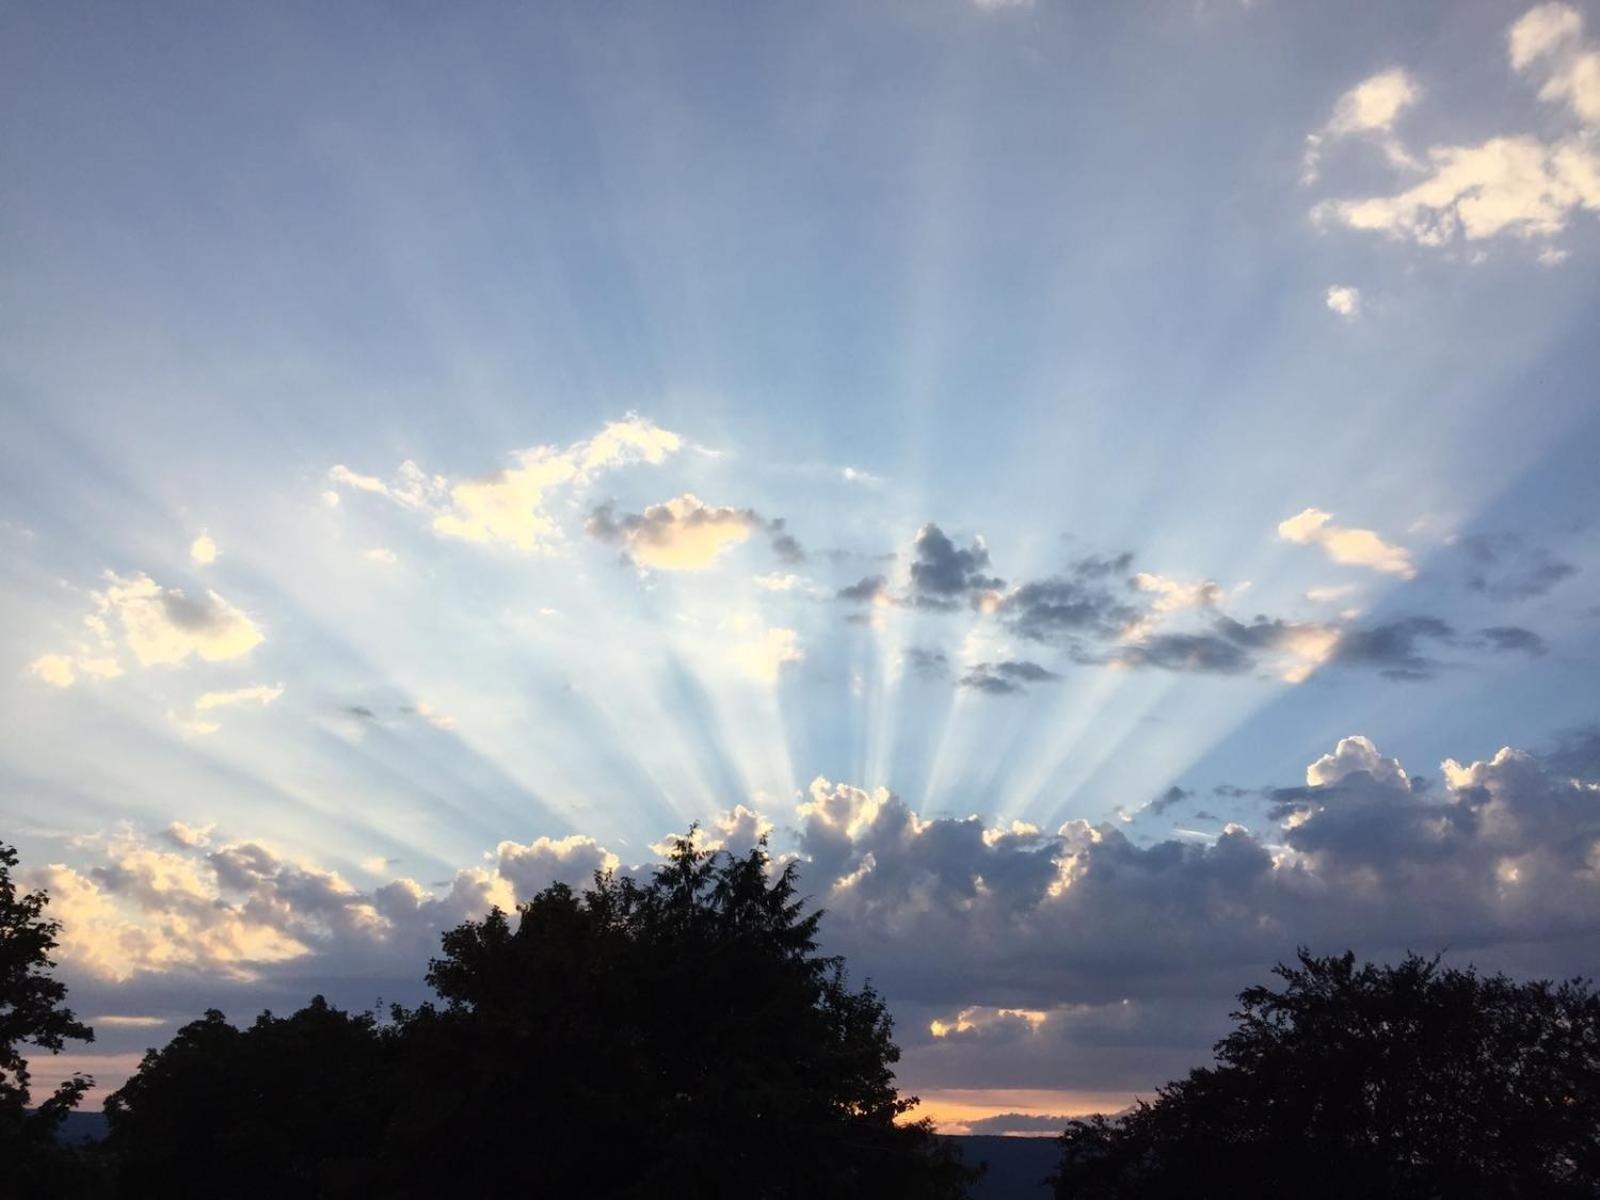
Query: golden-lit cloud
[(55, 669), (166, 626), (513, 506), (1345, 545), (261, 693), (681, 534), (764, 656), (203, 549)]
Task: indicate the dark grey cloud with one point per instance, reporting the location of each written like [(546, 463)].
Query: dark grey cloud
[(866, 591), (1395, 648), (1514, 638), (784, 543), (1201, 653), (1068, 607), (1005, 678), (1013, 1124), (943, 575), (1505, 566), (1170, 798)]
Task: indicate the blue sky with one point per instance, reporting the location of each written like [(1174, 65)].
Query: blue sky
[(427, 432)]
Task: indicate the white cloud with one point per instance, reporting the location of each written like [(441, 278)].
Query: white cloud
[(203, 549), (1368, 110), (535, 866), (165, 626), (764, 657), (1518, 185), (514, 506), (1173, 594), (1352, 547), (1354, 754), (1346, 301), (262, 694), (55, 669), (380, 554)]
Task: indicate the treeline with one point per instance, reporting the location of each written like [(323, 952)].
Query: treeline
[(682, 1037), (676, 1038)]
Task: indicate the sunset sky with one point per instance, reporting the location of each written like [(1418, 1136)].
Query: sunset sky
[(1111, 487)]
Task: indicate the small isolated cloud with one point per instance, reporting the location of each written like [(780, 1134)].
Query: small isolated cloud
[(1005, 678), (262, 694), (513, 506), (381, 554), (203, 549), (1345, 301), (1345, 545), (686, 534), (57, 670), (857, 475), (1517, 184)]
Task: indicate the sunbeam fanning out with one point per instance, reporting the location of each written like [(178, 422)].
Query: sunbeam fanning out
[(1106, 494)]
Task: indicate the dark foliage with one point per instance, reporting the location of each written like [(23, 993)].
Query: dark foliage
[(32, 1013), (676, 1038), (1369, 1081)]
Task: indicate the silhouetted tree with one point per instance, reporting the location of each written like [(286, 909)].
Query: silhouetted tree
[(291, 1106), (33, 1013), (1370, 1081), (676, 1038)]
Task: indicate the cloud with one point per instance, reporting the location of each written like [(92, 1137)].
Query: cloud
[(262, 694), (943, 575), (535, 866), (165, 626), (764, 657), (873, 589), (381, 554), (1345, 301), (203, 549), (1394, 648), (1069, 959), (1514, 638), (1172, 594), (1005, 678), (514, 505), (1348, 546), (1368, 110), (55, 669), (1551, 36), (686, 534), (1504, 566), (1519, 185), (1077, 603)]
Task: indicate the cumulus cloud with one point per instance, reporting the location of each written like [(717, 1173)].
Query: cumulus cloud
[(159, 626), (1073, 958), (514, 505), (686, 534), (944, 575), (203, 549), (1345, 301), (1520, 185), (531, 868), (55, 669), (1345, 545)]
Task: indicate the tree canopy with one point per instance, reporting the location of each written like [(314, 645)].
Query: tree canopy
[(1409, 1080), (32, 1013), (679, 1037)]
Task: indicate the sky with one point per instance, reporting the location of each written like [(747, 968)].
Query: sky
[(1109, 488)]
